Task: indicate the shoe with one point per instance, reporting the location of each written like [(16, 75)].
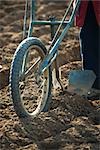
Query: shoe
[(93, 94)]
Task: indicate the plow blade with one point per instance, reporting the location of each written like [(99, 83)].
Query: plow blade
[(81, 81)]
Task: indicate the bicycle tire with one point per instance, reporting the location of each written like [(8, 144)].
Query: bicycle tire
[(16, 74)]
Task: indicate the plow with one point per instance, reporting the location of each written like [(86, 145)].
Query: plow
[(33, 63)]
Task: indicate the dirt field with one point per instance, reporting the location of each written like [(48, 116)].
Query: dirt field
[(72, 123)]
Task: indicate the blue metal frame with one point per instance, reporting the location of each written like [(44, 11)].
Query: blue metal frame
[(53, 52), (34, 22)]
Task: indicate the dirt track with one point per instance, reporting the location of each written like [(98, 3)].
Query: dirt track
[(72, 122)]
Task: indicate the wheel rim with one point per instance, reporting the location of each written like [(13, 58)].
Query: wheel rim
[(33, 88)]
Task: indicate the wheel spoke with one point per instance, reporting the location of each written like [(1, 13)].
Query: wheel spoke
[(30, 69)]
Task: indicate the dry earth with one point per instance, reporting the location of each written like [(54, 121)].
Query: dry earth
[(72, 123)]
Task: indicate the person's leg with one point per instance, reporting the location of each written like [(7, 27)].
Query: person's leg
[(90, 45)]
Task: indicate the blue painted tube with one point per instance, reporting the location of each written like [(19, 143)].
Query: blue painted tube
[(53, 52)]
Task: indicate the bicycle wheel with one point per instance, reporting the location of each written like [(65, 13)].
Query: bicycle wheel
[(29, 91)]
